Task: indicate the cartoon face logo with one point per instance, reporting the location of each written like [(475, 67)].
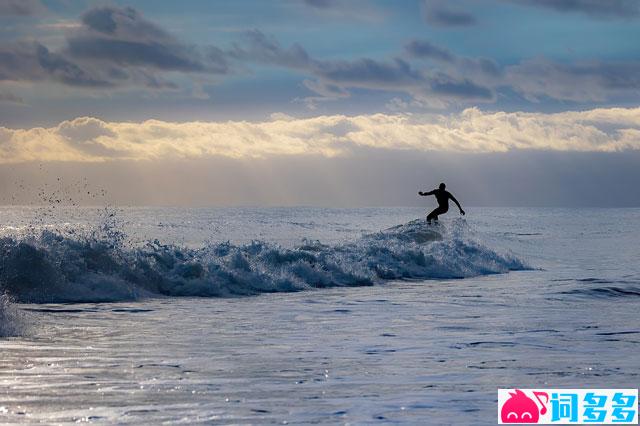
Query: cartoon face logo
[(519, 408)]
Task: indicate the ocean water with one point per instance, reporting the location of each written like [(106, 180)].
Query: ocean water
[(309, 315)]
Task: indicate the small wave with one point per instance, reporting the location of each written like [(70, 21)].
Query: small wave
[(605, 292), (595, 287), (54, 268)]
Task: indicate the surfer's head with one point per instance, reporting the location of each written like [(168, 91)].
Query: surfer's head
[(442, 186)]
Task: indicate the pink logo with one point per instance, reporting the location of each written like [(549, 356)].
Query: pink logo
[(519, 408)]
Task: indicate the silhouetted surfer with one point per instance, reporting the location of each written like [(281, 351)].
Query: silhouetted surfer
[(442, 196)]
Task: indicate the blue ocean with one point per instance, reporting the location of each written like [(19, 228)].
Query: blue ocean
[(309, 315)]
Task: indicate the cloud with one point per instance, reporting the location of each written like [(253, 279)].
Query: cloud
[(347, 10), (480, 70), (536, 78), (320, 4), (102, 19), (84, 129), (397, 75), (113, 47), (579, 82), (425, 49), (471, 131), (21, 7), (370, 73), (118, 48), (259, 47), (130, 53), (462, 89), (31, 61), (334, 78), (83, 134), (122, 37), (626, 9), (440, 13)]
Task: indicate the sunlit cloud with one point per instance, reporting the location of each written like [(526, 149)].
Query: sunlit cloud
[(89, 139)]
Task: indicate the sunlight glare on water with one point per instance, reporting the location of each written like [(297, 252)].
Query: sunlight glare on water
[(402, 349)]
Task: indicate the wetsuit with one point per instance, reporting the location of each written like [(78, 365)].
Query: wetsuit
[(442, 196)]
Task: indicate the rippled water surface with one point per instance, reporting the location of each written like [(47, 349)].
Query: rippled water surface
[(505, 298)]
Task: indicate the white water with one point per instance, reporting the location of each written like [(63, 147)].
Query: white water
[(415, 352), (13, 322)]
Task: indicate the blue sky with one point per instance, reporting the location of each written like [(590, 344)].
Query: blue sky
[(571, 38)]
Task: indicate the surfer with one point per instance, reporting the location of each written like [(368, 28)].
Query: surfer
[(442, 196)]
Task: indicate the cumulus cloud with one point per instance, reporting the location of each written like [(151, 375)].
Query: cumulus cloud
[(472, 131), (83, 134)]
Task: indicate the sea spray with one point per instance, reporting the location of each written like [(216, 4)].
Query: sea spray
[(100, 267), (12, 319)]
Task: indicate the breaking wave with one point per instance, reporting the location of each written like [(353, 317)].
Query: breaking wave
[(52, 267)]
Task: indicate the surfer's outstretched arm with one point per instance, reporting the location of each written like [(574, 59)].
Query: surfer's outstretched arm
[(457, 204), (424, 194)]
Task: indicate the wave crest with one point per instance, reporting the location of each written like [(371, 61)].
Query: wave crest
[(56, 268)]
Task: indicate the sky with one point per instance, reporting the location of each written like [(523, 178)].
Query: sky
[(320, 102)]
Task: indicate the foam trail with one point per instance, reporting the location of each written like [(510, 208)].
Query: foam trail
[(55, 268)]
